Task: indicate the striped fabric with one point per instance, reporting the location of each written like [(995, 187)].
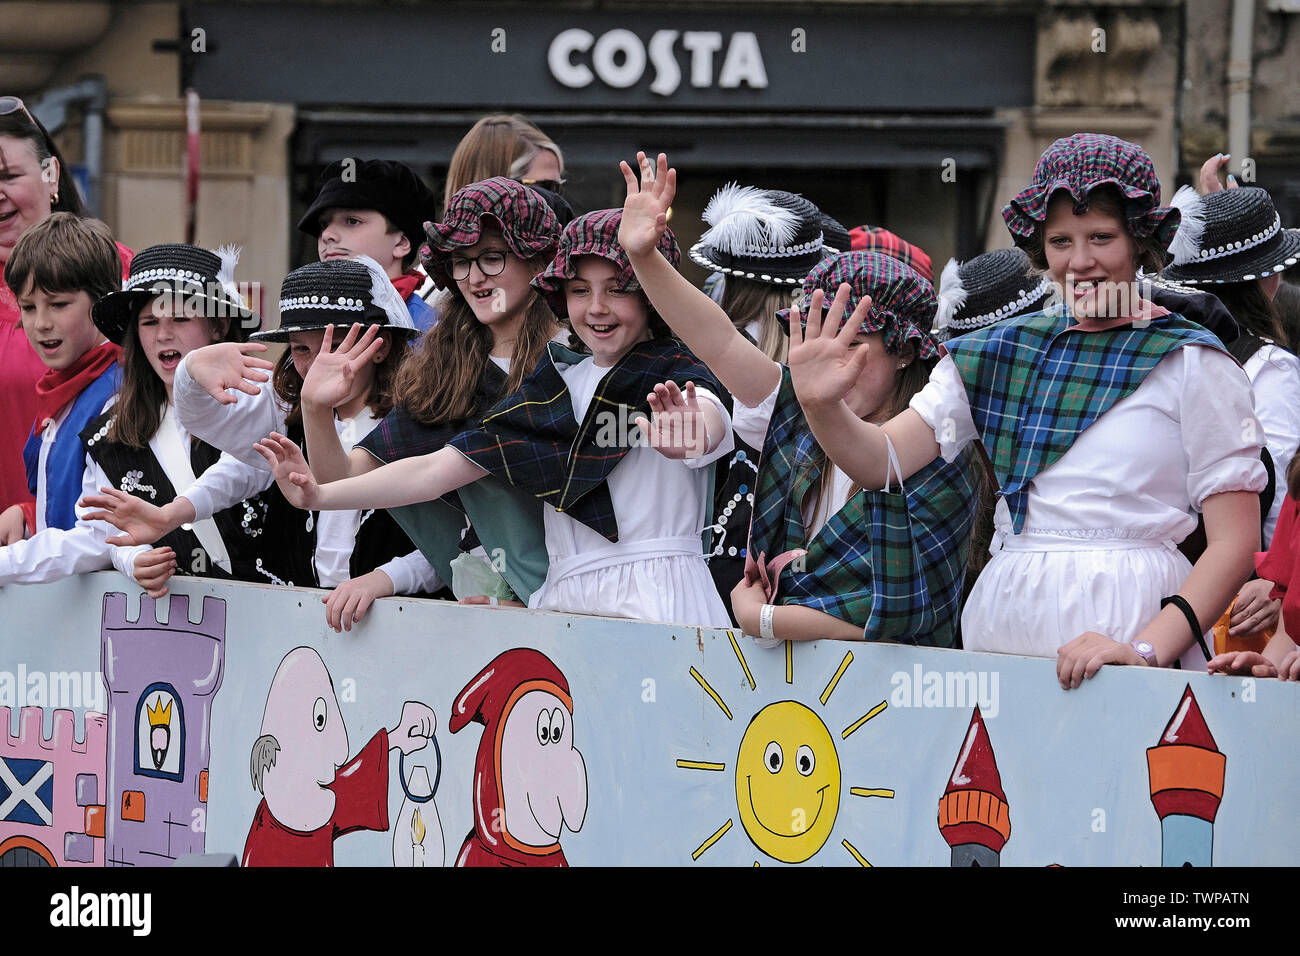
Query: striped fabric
[(892, 564), (1079, 164), (533, 440), (525, 220), (594, 234), (1034, 387), (902, 302)]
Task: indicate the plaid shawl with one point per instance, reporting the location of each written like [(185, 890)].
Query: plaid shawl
[(533, 440), (890, 563), (1033, 388)]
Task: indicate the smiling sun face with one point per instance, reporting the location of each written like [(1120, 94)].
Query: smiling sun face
[(787, 781)]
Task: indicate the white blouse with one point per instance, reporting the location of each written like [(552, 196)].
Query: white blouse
[(656, 571), (1145, 467), (1274, 375)]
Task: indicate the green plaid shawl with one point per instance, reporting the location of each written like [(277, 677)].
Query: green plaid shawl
[(892, 564), (1034, 387), (533, 440)]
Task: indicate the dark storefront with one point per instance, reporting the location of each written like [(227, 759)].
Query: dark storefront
[(878, 116)]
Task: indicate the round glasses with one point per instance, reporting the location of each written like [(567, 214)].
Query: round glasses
[(491, 263)]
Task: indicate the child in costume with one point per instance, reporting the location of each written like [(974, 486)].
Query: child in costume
[(360, 555), (58, 268), (762, 242), (1108, 423), (175, 299), (375, 208), (827, 558), (624, 520)]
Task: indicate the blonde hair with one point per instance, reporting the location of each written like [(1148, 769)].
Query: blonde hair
[(497, 145), (746, 301)]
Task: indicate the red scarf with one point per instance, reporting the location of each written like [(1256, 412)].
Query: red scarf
[(407, 283), (55, 389)]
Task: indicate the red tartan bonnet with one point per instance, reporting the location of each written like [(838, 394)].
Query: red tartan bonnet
[(522, 215)]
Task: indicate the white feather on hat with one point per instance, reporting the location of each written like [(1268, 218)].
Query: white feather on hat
[(229, 256), (1186, 245), (384, 294), (951, 296), (743, 218)]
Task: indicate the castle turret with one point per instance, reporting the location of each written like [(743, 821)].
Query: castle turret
[(973, 813), (1186, 773)]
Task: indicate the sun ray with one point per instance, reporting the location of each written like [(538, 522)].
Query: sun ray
[(741, 657), (710, 691), (853, 851), (789, 662), (861, 791), (711, 840), (708, 765), (830, 688), (863, 719)]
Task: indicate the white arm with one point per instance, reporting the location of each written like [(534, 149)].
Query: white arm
[(232, 428), (412, 574)]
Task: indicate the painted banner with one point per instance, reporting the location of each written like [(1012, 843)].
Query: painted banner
[(227, 718)]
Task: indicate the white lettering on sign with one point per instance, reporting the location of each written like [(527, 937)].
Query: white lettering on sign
[(618, 58)]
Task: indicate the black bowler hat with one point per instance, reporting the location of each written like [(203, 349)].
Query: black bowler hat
[(764, 235), (199, 281), (1241, 239), (338, 292), (985, 290), (384, 185)]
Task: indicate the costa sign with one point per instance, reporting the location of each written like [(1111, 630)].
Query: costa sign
[(618, 58)]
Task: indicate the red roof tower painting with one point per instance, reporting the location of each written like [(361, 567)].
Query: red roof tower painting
[(1186, 772), (973, 813)]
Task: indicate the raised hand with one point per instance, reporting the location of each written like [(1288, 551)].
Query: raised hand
[(645, 210), (139, 521), (332, 376), (153, 569), (291, 471), (216, 368), (823, 362), (678, 430)]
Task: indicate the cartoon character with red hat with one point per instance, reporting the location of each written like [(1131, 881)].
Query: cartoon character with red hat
[(530, 781), (309, 799)]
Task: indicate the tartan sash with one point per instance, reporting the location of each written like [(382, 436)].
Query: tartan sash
[(1034, 387), (891, 563), (533, 440)]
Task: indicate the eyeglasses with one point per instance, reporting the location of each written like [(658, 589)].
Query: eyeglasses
[(491, 263), (12, 104), (554, 185)]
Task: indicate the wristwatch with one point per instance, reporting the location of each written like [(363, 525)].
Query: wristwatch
[(1147, 652)]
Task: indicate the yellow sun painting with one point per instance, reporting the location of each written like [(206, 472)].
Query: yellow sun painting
[(787, 771)]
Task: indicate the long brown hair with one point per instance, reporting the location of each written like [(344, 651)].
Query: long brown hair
[(745, 301), (142, 396), (497, 145), (437, 385), (380, 400), (1253, 309)]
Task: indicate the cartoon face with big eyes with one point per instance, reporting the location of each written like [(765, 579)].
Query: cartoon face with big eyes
[(787, 781), (302, 713), (543, 777)]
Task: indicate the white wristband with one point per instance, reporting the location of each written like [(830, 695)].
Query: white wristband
[(765, 622)]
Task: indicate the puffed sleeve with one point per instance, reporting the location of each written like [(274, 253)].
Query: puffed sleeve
[(230, 428), (943, 405), (1222, 437), (1275, 378)]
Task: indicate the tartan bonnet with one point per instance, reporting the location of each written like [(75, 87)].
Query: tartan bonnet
[(902, 302), (521, 214), (594, 234), (1079, 164)]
